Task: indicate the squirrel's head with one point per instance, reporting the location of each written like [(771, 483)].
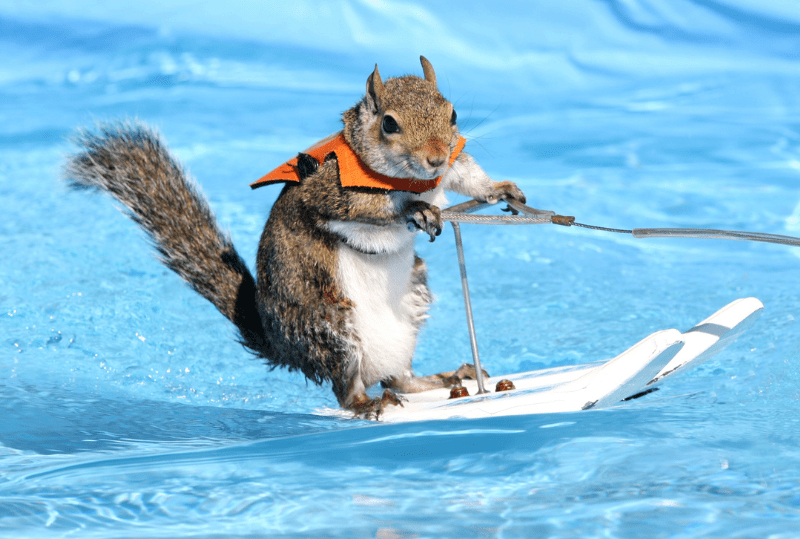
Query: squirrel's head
[(403, 127)]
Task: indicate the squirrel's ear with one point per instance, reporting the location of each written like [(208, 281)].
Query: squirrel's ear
[(427, 68), (374, 88)]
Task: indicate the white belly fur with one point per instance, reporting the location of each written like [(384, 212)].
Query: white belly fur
[(379, 285)]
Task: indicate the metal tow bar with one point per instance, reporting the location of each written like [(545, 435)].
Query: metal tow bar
[(461, 214)]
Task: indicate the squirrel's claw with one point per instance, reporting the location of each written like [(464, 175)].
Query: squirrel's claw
[(465, 372), (425, 217), (505, 191), (390, 397), (373, 408)]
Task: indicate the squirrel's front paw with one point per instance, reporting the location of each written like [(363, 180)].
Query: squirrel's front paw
[(505, 191), (423, 216)]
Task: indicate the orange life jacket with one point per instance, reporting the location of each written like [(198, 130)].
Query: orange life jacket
[(352, 171)]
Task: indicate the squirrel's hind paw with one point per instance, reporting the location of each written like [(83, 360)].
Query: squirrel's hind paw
[(467, 372), (373, 408)]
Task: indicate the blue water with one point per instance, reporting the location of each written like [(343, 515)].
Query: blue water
[(127, 410)]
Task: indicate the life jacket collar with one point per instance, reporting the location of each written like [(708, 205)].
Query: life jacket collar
[(352, 170)]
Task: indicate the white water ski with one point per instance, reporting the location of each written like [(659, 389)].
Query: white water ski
[(642, 367)]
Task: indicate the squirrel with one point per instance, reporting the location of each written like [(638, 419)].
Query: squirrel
[(339, 293)]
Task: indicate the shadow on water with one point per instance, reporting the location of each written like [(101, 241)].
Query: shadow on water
[(50, 421), (274, 440), (58, 421), (55, 420)]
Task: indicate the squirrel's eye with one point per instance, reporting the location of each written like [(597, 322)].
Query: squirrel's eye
[(453, 118), (390, 125)]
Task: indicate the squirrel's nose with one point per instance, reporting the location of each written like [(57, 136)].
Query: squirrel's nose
[(435, 161)]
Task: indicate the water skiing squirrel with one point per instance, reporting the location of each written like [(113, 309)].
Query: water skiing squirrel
[(339, 293)]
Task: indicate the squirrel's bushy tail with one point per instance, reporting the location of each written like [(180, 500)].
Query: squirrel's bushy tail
[(129, 161)]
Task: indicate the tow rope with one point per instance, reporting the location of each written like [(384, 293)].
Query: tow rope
[(520, 214)]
